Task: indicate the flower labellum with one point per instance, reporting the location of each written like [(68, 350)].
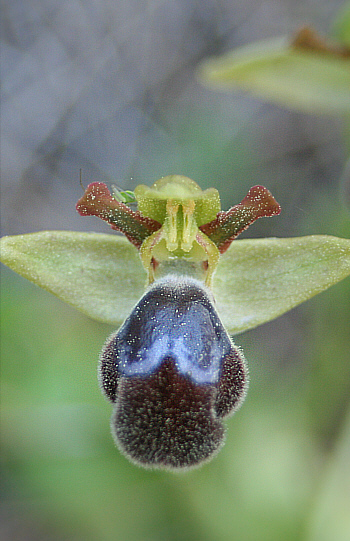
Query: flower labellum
[(174, 374), (171, 370)]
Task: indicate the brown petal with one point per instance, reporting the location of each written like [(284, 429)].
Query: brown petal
[(98, 201), (229, 224)]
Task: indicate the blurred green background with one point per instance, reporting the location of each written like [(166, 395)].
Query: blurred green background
[(109, 87)]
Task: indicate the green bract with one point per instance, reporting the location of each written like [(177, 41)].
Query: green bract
[(253, 281)]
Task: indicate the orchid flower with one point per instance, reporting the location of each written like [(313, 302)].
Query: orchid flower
[(177, 285)]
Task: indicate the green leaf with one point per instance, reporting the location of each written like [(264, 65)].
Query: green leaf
[(305, 80), (101, 275), (257, 280)]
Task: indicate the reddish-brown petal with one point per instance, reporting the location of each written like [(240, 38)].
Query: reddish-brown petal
[(229, 224), (98, 201)]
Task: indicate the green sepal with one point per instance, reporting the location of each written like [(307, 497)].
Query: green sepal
[(258, 280), (100, 275)]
